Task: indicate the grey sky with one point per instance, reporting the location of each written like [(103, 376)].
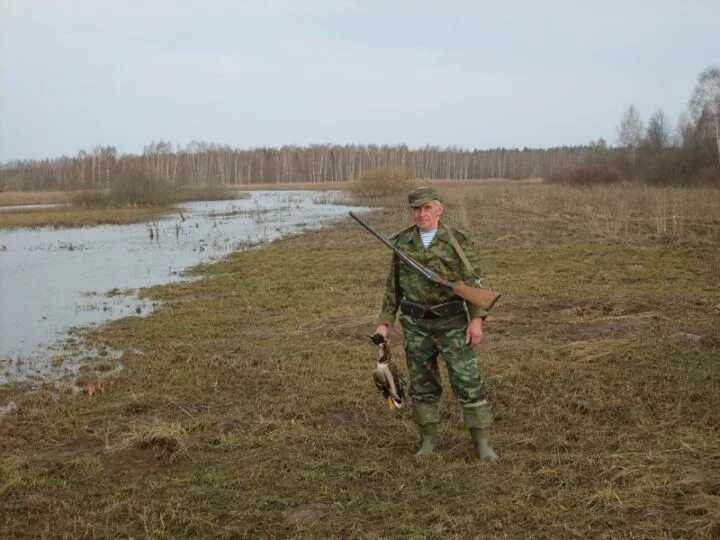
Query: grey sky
[(75, 74)]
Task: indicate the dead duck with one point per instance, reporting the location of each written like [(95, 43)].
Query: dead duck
[(388, 379)]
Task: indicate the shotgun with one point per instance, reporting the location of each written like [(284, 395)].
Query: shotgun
[(482, 298)]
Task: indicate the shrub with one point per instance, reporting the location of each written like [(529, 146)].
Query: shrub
[(709, 176), (383, 181), (586, 175), (91, 198), (133, 187), (137, 187)]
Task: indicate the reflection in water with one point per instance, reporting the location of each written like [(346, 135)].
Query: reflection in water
[(53, 280)]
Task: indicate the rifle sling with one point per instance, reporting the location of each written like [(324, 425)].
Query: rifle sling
[(459, 250), (453, 242)]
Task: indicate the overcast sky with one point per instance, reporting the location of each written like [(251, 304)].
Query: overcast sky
[(75, 74)]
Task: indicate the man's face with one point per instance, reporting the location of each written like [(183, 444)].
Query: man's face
[(427, 216)]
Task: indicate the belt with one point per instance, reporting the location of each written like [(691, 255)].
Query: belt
[(438, 311)]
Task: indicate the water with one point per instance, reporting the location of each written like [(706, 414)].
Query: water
[(52, 280)]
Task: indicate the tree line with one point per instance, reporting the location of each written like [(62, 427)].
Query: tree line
[(203, 164), (654, 153)]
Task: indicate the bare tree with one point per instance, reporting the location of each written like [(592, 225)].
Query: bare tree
[(658, 132), (630, 132), (682, 129), (705, 103)]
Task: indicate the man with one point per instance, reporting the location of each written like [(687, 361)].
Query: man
[(435, 321)]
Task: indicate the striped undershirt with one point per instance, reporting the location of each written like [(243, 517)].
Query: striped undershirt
[(427, 237)]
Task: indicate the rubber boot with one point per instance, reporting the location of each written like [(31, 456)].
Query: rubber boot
[(427, 418), (481, 442), (478, 419), (428, 441)]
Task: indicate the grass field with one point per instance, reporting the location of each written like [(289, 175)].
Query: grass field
[(246, 407)]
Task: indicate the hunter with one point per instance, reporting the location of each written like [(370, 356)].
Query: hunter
[(437, 322)]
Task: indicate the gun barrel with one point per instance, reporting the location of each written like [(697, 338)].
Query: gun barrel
[(372, 231), (417, 266)]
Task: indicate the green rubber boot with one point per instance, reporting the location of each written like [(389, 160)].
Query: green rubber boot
[(427, 417), (481, 442), (428, 434), (478, 419)]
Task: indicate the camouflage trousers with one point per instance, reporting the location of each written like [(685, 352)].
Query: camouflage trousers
[(425, 340)]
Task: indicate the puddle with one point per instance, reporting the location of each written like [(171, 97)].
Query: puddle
[(52, 280)]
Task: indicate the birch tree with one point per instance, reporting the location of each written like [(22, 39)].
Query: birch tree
[(658, 132), (705, 103), (630, 132)]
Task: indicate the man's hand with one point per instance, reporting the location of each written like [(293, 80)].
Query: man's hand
[(382, 329), (474, 334)]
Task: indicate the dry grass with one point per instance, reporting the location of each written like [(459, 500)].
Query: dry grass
[(9, 198), (246, 406), (605, 213)]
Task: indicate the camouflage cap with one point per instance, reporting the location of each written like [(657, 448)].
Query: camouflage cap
[(422, 195)]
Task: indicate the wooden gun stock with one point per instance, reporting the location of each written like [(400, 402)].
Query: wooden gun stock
[(483, 298)]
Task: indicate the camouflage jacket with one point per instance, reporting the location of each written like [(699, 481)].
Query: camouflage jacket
[(439, 256)]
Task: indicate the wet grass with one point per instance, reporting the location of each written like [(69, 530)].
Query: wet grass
[(93, 208), (77, 217), (246, 407)]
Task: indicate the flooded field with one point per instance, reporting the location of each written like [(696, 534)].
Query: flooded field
[(53, 280)]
